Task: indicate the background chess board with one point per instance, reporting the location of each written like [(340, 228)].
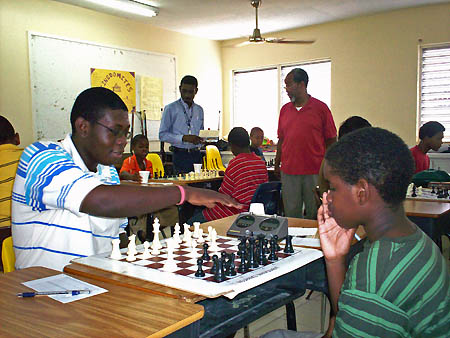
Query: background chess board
[(184, 278), (426, 195)]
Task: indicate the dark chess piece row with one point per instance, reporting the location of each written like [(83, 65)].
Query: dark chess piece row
[(252, 253), (270, 163), (440, 193)]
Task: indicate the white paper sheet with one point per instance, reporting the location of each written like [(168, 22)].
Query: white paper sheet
[(302, 231), (63, 282)]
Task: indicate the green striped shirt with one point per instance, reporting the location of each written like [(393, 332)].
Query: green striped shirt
[(396, 288)]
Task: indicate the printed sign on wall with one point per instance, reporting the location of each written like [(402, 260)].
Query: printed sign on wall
[(123, 83)]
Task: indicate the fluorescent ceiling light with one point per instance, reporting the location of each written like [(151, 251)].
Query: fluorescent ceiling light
[(138, 7)]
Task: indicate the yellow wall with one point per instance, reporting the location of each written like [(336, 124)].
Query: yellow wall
[(373, 63), (199, 57)]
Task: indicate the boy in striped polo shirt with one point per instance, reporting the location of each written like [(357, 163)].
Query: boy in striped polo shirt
[(67, 201), (399, 285)]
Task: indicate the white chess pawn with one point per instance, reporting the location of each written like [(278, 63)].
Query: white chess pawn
[(187, 237), (176, 235), (146, 254), (213, 247), (115, 253), (194, 252)]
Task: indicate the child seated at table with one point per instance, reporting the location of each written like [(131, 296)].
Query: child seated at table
[(256, 141), (430, 135), (243, 175), (138, 161), (399, 285)]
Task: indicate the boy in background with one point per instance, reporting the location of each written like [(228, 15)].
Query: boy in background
[(430, 135), (256, 141), (138, 161), (243, 175), (399, 285)]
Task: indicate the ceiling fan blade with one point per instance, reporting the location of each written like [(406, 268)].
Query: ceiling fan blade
[(283, 40), (242, 44)]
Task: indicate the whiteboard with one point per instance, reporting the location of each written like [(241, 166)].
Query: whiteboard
[(60, 70)]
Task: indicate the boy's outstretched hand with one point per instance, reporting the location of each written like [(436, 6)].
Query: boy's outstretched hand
[(334, 239), (209, 198)]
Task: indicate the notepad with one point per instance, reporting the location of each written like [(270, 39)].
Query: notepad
[(64, 282)]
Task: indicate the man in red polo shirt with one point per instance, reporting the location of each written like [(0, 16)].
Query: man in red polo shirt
[(305, 129)]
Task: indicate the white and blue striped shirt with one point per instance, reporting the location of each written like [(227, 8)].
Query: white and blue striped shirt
[(48, 228)]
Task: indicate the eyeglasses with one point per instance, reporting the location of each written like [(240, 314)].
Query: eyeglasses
[(117, 133)]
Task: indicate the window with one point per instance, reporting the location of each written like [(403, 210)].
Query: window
[(434, 86), (259, 94)]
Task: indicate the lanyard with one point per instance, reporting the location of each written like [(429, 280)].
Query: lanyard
[(187, 117)]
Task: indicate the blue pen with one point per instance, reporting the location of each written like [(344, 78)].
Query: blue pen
[(52, 293)]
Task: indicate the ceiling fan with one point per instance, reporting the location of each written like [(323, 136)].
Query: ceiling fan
[(256, 37)]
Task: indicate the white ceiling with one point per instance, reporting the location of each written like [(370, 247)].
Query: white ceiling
[(228, 19)]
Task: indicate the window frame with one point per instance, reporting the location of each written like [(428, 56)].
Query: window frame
[(280, 84), (419, 118)]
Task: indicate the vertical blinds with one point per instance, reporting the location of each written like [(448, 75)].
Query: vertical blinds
[(435, 87)]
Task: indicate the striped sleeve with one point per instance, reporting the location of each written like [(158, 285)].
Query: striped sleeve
[(396, 289), (51, 180)]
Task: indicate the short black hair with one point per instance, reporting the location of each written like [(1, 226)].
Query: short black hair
[(376, 155), (255, 130), (189, 79), (136, 139), (430, 129), (351, 124), (239, 137), (300, 75), (6, 130), (92, 103)]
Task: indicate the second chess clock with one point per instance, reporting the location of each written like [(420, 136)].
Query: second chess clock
[(248, 224)]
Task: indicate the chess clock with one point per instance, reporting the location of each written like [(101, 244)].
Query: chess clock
[(248, 224)]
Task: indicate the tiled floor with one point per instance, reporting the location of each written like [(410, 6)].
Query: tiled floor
[(307, 311)]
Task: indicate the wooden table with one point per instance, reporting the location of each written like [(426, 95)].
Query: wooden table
[(118, 312)]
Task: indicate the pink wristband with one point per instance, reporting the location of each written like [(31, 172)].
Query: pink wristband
[(183, 194)]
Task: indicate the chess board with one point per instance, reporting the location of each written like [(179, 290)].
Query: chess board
[(426, 194), (184, 278)]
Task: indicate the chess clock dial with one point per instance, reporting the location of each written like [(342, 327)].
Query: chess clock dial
[(269, 224), (245, 221)]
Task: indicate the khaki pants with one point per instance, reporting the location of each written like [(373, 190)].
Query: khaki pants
[(296, 191)]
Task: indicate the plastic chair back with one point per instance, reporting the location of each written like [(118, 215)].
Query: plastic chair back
[(269, 194), (213, 158), (158, 167), (8, 257)]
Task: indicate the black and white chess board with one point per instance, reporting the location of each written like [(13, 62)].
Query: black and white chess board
[(151, 269)]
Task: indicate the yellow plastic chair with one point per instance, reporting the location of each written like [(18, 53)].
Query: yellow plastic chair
[(8, 257), (213, 158), (157, 164)]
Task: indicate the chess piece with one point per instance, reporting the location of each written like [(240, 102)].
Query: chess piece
[(231, 267), (273, 250), (208, 238), (132, 245), (200, 236), (187, 238), (170, 265), (115, 253), (199, 272), (219, 274), (156, 244), (252, 263), (146, 254), (414, 191), (205, 256), (288, 248), (213, 247), (194, 252), (278, 248), (176, 234), (196, 229), (215, 259), (261, 257)]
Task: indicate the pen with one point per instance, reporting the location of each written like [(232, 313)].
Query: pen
[(51, 293)]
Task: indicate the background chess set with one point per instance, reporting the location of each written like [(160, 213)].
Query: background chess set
[(204, 174), (183, 277), (431, 194)]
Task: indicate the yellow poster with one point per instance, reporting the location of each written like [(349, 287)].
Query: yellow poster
[(152, 97), (120, 82)]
